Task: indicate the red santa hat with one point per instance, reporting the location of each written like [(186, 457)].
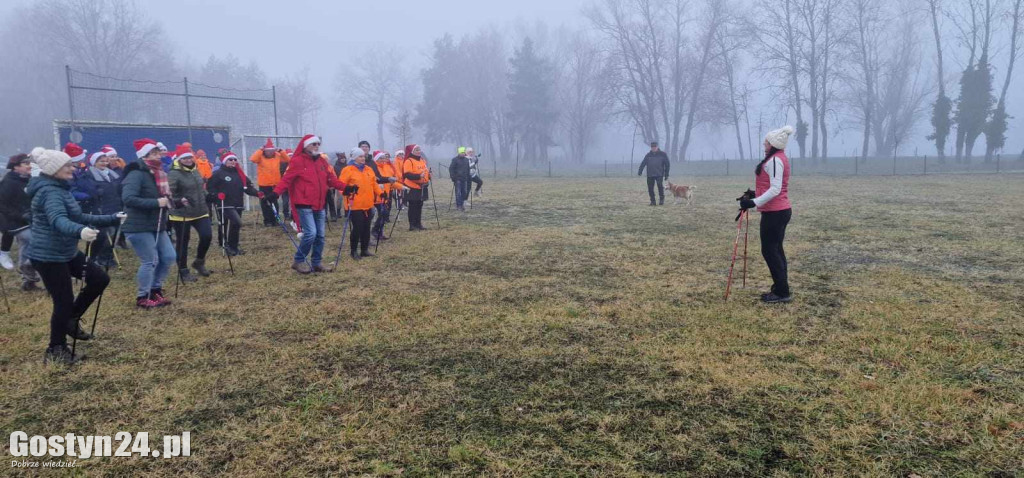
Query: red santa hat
[(183, 151), (307, 140), (163, 149), (400, 152), (378, 155), (74, 151), (96, 157), (144, 146), (269, 145), (226, 155), (409, 148), (109, 151)]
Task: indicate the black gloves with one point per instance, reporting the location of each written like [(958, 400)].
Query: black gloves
[(350, 190), (271, 196), (747, 204), (211, 198)]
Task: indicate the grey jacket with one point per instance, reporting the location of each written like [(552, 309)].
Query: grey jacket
[(657, 164)]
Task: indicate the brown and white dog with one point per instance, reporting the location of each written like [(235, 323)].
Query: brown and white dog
[(681, 192)]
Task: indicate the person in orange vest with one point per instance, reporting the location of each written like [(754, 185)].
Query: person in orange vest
[(268, 163), (203, 165), (361, 193), (387, 170), (416, 177)]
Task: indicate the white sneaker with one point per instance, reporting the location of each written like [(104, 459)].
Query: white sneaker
[(5, 260)]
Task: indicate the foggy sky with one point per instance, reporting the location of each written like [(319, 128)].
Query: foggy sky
[(283, 37)]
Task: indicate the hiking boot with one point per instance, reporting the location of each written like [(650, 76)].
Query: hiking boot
[(231, 251), (29, 287), (366, 254), (157, 296), (323, 268), (772, 298), (60, 354), (239, 251), (653, 203), (186, 276), (302, 267), (355, 255), (477, 194), (661, 202), (145, 302), (78, 332), (200, 266)]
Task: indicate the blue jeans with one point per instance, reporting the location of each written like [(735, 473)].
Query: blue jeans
[(314, 235), (461, 192), (156, 256)]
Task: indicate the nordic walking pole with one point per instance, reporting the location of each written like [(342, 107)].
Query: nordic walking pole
[(224, 225), (735, 249), (99, 300), (113, 247), (4, 289), (398, 215), (451, 198), (344, 230), (181, 240), (383, 225), (285, 229), (433, 198)]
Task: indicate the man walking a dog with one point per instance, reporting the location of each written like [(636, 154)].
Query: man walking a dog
[(657, 165)]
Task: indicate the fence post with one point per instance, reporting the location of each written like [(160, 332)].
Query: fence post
[(926, 165), (998, 156), (495, 162), (726, 166), (606, 168), (71, 102), (894, 164), (517, 161), (856, 166), (188, 112), (549, 168), (273, 90)]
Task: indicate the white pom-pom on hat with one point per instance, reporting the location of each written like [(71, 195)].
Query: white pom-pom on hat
[(50, 161)]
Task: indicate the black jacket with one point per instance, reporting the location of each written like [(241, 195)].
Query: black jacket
[(657, 164), (228, 181), (459, 168), (15, 205)]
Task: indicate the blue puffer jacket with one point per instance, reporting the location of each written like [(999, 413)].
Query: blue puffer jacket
[(58, 220), (100, 195)]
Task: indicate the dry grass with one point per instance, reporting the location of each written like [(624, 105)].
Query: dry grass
[(566, 328)]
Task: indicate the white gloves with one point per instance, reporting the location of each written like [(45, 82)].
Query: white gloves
[(299, 235), (122, 216), (89, 234), (163, 202)]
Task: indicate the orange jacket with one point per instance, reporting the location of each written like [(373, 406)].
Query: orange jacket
[(369, 190), (415, 166), (268, 170), (387, 170), (204, 167)]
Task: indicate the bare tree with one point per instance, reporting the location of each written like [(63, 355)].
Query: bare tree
[(995, 133), (973, 21), (660, 70), (584, 93), (868, 23), (298, 103), (943, 105), (730, 41), (782, 46), (371, 83)]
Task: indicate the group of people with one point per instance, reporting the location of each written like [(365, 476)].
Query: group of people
[(50, 200)]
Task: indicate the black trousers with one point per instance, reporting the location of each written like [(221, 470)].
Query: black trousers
[(415, 208), (101, 248), (383, 217), (232, 216), (479, 182), (183, 232), (67, 308), (773, 233), (332, 204), (266, 206), (360, 235), (651, 181), (6, 242)]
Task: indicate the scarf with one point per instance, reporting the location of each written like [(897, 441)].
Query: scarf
[(107, 175), (360, 167), (156, 166)]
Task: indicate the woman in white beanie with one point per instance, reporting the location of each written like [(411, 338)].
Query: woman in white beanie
[(58, 223), (772, 201)]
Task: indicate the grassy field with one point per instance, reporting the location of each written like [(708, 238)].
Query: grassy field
[(566, 328)]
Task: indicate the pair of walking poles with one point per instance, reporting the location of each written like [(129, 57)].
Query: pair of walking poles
[(741, 218), (99, 300)]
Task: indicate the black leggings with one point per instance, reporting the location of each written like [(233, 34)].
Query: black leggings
[(233, 217), (67, 308), (415, 213), (383, 217), (360, 236), (183, 232), (773, 233), (479, 182)]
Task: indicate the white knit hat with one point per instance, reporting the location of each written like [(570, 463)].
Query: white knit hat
[(50, 161), (355, 153), (780, 137)]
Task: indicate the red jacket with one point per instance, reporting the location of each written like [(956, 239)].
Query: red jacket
[(307, 181)]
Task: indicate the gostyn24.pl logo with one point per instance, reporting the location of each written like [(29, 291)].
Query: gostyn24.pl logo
[(88, 446)]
